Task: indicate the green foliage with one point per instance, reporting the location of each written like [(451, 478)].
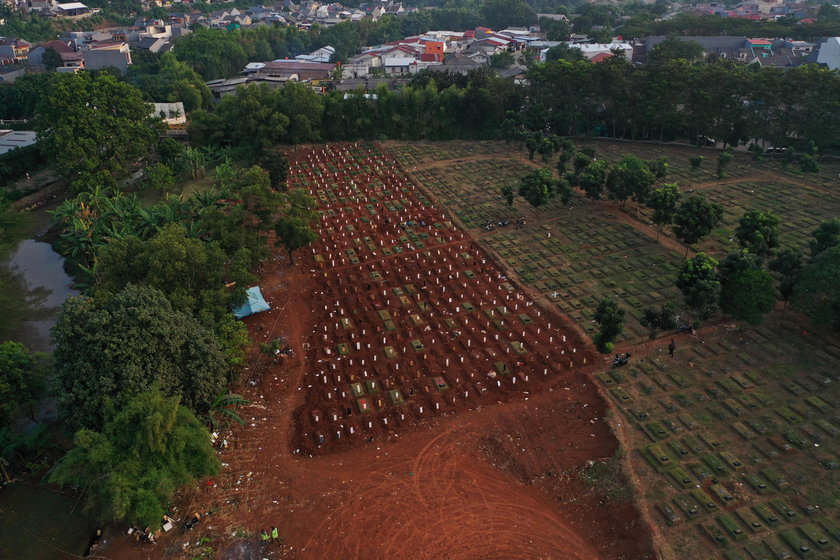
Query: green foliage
[(786, 267), (94, 128), (610, 319), (564, 52), (171, 80), (630, 178), (500, 14), (501, 60), (294, 233), (277, 165), (746, 291), (723, 161), (698, 281), (592, 179), (159, 177), (826, 236), (509, 194), (144, 451), (696, 218), (259, 117), (538, 187), (659, 167), (664, 318), (111, 348), (212, 53), (818, 291), (664, 201), (22, 376), (696, 162), (758, 232), (224, 408), (673, 48)]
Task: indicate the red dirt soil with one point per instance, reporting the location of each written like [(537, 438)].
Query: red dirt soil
[(492, 474)]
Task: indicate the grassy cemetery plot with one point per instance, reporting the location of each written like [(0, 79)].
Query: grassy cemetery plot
[(756, 452)]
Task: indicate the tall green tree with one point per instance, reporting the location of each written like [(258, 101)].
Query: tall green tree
[(144, 451), (663, 201), (111, 348), (610, 318), (213, 53), (22, 380), (538, 187), (758, 232), (786, 266), (698, 281), (817, 292), (94, 128), (746, 290), (826, 236), (630, 178), (592, 178), (696, 218), (171, 81)]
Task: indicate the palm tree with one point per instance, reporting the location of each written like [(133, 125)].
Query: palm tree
[(220, 413)]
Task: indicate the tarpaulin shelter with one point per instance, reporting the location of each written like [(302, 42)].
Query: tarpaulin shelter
[(255, 304)]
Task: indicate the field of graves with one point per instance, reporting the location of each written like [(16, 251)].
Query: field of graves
[(737, 442), (413, 318)]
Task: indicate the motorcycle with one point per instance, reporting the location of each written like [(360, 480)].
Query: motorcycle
[(621, 360)]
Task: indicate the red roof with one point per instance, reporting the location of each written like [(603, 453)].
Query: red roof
[(758, 41), (808, 20), (601, 57), (431, 57), (469, 33)]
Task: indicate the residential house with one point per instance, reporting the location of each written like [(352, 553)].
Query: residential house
[(459, 64), (172, 114), (592, 50), (829, 53), (70, 57), (13, 139), (10, 73), (13, 50), (72, 10), (107, 54)]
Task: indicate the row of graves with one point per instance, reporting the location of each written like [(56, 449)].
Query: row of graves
[(412, 320)]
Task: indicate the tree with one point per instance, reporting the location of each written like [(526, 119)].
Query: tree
[(22, 377), (664, 318), (746, 290), (538, 187), (695, 219), (213, 53), (293, 234), (564, 52), (501, 60), (826, 236), (629, 178), (610, 319), (699, 284), (277, 165), (94, 128), (786, 267), (674, 48), (818, 291), (509, 194), (758, 232), (592, 178), (111, 348), (172, 80), (51, 59), (159, 177), (663, 201), (500, 14), (696, 162), (723, 161), (142, 454)]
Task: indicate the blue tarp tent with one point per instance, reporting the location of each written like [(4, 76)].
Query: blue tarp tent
[(255, 304)]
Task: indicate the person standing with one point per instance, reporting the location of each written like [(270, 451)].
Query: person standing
[(672, 347), (275, 534)]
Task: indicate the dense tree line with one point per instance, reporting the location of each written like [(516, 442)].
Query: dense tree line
[(679, 100)]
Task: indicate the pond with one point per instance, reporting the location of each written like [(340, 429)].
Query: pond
[(41, 525), (34, 287)]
